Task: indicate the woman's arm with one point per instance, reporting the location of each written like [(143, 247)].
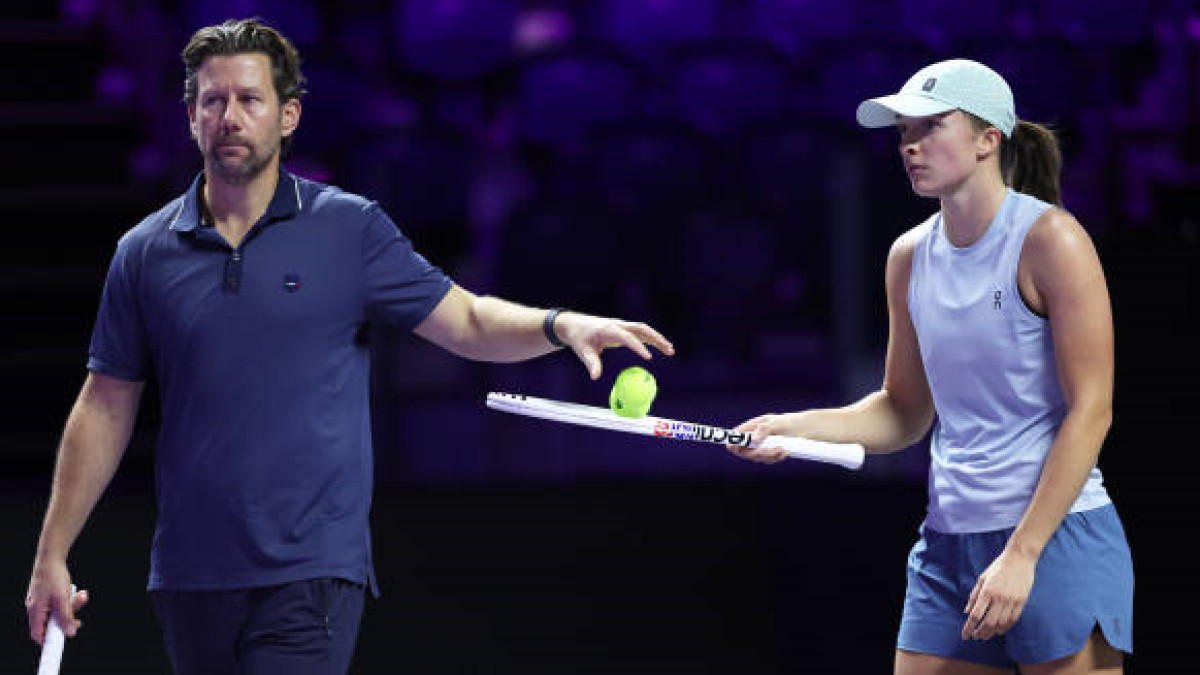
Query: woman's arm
[(887, 420), (1061, 277), (1068, 286)]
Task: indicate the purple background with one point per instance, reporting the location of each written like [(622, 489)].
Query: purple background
[(690, 163)]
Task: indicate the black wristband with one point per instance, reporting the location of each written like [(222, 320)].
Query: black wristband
[(548, 327)]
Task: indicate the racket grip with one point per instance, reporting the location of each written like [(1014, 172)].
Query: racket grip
[(52, 643), (849, 455)]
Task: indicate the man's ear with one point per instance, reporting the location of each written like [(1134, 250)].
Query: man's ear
[(290, 114), (191, 111)]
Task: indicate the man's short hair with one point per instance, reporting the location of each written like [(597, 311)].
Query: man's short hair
[(245, 36)]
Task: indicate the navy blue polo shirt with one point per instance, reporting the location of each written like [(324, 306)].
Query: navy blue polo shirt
[(263, 468)]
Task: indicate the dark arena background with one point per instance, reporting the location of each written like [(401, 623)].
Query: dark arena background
[(691, 163)]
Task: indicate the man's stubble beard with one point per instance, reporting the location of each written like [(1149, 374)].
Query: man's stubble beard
[(246, 170)]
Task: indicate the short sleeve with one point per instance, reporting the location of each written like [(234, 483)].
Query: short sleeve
[(119, 346), (402, 287)]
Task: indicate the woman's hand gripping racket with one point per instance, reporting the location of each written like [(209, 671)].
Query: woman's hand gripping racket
[(849, 455)]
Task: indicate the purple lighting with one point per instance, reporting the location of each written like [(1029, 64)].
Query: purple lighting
[(543, 28), (79, 12), (115, 84)]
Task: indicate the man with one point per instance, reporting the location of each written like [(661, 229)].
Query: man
[(244, 297)]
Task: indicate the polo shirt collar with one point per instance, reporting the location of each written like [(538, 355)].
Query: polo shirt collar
[(286, 203)]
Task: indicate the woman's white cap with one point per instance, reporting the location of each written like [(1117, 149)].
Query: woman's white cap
[(947, 85)]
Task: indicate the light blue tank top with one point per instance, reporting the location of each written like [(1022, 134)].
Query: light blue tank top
[(990, 365)]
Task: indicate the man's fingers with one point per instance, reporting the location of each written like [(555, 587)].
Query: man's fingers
[(65, 611), (631, 341), (59, 606), (81, 598), (38, 615), (634, 336), (65, 607), (73, 624), (591, 361), (651, 336)]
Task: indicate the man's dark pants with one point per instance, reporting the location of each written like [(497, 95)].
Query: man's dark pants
[(300, 628)]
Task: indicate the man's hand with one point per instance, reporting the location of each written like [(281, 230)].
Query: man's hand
[(50, 591), (588, 335)]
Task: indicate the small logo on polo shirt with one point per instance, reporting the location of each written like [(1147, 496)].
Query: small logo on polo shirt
[(291, 282), (929, 84)]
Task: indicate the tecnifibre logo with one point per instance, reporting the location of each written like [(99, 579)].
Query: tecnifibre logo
[(929, 84)]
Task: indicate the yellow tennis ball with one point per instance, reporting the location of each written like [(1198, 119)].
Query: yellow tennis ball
[(633, 392)]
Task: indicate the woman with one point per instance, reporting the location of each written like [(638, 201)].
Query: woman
[(1000, 324)]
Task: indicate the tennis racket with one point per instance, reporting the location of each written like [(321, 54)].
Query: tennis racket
[(53, 642), (849, 455)]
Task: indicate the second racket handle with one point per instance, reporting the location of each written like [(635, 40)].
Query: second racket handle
[(849, 455)]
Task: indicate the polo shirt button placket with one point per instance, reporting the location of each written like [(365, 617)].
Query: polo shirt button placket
[(233, 272)]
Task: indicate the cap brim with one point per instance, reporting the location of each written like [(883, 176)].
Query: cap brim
[(882, 111)]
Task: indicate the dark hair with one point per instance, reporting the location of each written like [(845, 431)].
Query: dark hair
[(245, 36), (1030, 161)]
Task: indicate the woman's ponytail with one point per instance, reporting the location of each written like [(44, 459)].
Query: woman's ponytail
[(1031, 162)]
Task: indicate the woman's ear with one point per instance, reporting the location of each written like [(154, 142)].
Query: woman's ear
[(987, 143)]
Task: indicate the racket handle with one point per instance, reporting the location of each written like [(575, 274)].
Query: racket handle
[(53, 642), (849, 455)]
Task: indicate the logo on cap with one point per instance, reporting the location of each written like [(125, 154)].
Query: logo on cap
[(928, 86)]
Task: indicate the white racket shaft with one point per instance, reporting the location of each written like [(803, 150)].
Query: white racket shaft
[(52, 643), (849, 455)]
